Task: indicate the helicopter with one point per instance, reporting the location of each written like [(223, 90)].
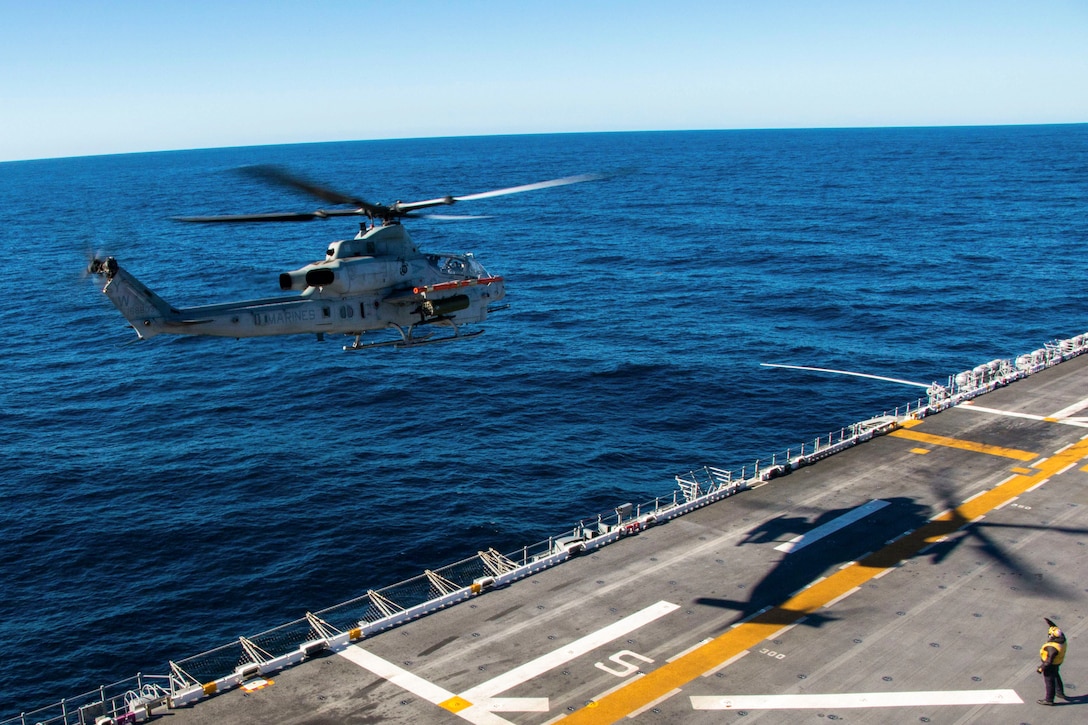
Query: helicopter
[(378, 280)]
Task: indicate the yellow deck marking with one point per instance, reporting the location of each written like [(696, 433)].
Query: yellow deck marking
[(920, 451), (1018, 469), (455, 704), (257, 684), (683, 670), (1013, 453)]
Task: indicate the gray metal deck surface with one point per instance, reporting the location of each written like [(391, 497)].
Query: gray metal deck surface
[(663, 625)]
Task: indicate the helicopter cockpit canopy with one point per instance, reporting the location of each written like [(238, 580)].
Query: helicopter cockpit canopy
[(458, 266)]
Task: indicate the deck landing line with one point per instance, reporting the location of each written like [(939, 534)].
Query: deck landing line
[(478, 704)]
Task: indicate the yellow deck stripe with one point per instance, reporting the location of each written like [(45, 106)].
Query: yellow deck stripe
[(683, 670), (964, 445)]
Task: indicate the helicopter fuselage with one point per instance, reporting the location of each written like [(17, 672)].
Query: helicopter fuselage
[(375, 281), (378, 280)]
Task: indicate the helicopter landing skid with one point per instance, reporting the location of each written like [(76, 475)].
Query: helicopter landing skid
[(407, 340)]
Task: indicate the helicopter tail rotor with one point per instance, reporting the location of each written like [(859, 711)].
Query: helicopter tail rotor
[(146, 312), (93, 258)]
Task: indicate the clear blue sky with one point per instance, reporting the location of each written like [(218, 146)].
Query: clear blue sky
[(89, 77)]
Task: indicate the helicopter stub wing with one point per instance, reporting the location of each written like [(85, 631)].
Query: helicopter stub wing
[(402, 297), (455, 284), (416, 294)]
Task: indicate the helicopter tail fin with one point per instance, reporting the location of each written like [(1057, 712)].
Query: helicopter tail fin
[(146, 311)]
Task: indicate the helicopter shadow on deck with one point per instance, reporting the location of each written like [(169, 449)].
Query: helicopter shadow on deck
[(803, 566), (780, 527)]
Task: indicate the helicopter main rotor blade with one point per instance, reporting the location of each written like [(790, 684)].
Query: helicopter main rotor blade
[(449, 217), (276, 175), (445, 200), (362, 207), (272, 217), (530, 187)]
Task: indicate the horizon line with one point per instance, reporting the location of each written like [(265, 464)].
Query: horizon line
[(548, 133)]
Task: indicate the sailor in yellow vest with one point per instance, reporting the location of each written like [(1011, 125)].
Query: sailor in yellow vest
[(1052, 653)]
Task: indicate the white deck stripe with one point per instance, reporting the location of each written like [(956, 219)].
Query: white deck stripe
[(995, 411), (397, 675), (717, 668), (478, 715), (514, 704), (417, 685), (653, 703), (1070, 409), (1060, 416), (619, 685), (856, 699), (842, 596), (800, 542), (481, 712), (577, 648), (692, 648)]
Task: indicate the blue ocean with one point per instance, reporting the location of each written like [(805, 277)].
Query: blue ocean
[(160, 498)]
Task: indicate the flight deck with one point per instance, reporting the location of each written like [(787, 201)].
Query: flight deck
[(899, 571), (901, 580)]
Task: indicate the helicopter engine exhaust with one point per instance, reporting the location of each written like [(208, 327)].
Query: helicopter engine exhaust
[(288, 280), (300, 279), (444, 306)]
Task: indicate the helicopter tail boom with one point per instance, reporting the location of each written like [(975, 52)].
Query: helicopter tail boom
[(146, 311)]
